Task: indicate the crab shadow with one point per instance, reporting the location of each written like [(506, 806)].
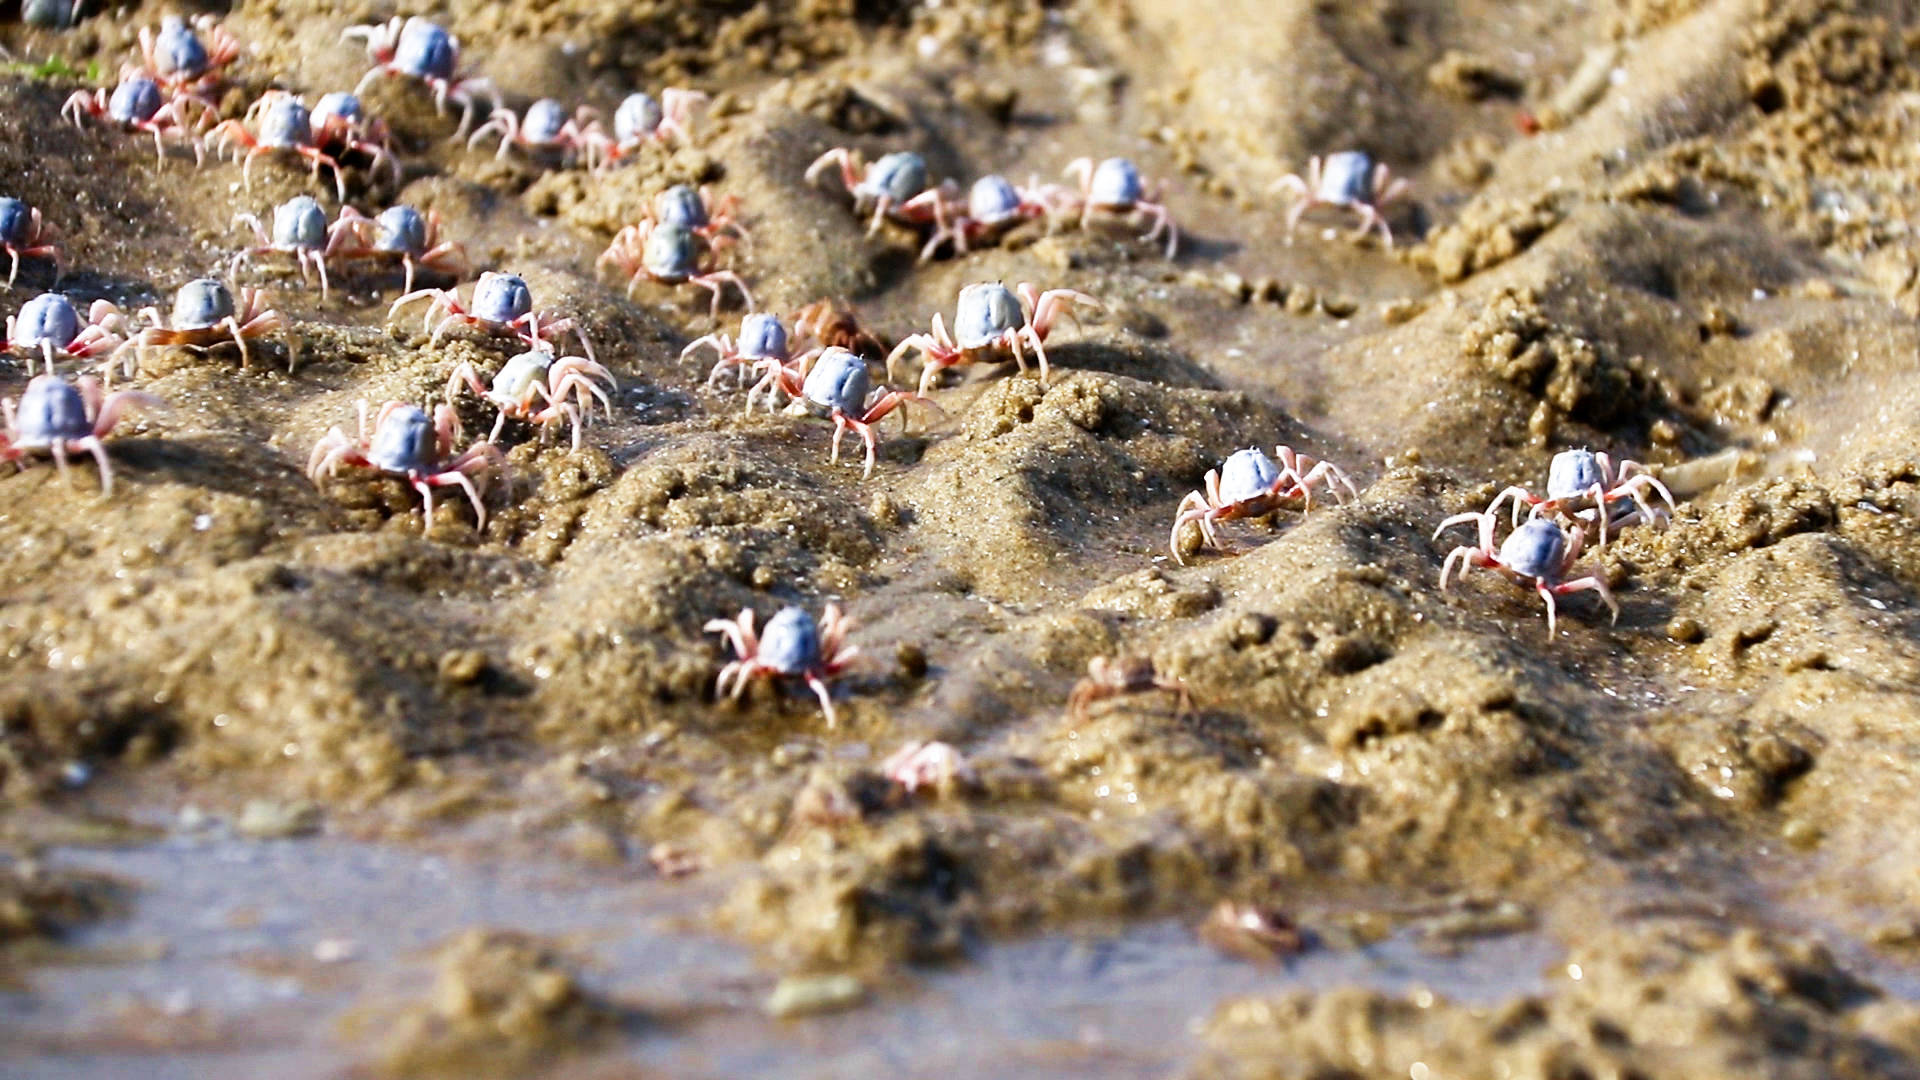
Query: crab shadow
[(1143, 361)]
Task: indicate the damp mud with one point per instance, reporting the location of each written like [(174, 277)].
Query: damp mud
[(298, 782)]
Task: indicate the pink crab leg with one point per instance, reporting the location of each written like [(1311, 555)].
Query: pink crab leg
[(93, 444), (820, 691)]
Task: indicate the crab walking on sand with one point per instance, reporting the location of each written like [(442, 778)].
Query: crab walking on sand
[(300, 229), (282, 124), (502, 304), (1249, 484), (50, 325), (1539, 553), (1348, 180), (546, 128), (990, 324), (1115, 187), (23, 234), (792, 646), (669, 254), (418, 48), (534, 377), (402, 233), (408, 444), (994, 205), (837, 387), (205, 317), (1580, 483), (58, 418), (139, 103), (176, 56), (640, 119), (895, 186), (762, 339)]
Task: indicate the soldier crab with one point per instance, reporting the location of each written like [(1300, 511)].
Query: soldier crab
[(284, 125), (669, 254), (177, 58), (1581, 482), (1115, 187), (402, 232), (546, 128), (205, 316), (419, 450), (1249, 484), (641, 118), (23, 234), (1348, 180), (502, 304), (49, 324), (342, 126), (1538, 553), (762, 338), (894, 186), (991, 323), (837, 386), (535, 377), (792, 646), (421, 49), (139, 103), (994, 205), (58, 418), (300, 229)]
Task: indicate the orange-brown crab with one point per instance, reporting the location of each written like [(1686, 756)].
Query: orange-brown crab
[(206, 315)]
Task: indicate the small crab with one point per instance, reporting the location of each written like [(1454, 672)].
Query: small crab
[(762, 339), (408, 444), (138, 103), (837, 386), (51, 14), (502, 304), (1580, 482), (341, 126), (59, 418), (1251, 932), (545, 128), (533, 377), (49, 324), (285, 125), (1112, 677), (990, 323), (1249, 484), (791, 646), (993, 206), (1538, 553), (1114, 187), (834, 322), (935, 765), (23, 234), (403, 233), (422, 49), (205, 316), (699, 212), (640, 118), (1348, 180), (669, 254), (176, 57), (300, 229), (894, 186)]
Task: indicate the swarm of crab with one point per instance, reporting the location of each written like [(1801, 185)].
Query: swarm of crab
[(820, 361)]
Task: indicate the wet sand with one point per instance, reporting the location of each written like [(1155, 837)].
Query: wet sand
[(297, 785)]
